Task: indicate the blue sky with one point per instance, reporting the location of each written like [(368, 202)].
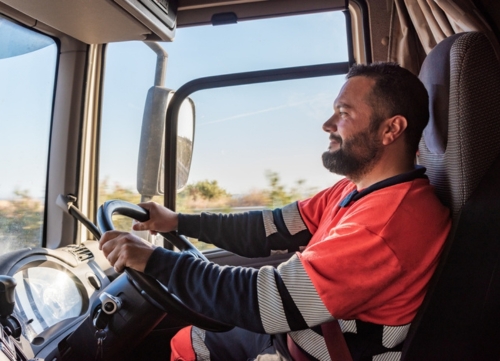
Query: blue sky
[(25, 110), (240, 132)]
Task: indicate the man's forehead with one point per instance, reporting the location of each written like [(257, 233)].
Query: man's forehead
[(355, 89)]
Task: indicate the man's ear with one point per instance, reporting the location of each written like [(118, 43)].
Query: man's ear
[(393, 128)]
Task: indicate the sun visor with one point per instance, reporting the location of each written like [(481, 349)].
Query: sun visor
[(158, 15), (102, 21)]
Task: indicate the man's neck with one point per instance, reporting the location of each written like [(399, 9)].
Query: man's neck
[(379, 173)]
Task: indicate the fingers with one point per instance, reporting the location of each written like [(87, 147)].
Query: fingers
[(161, 219), (149, 224), (123, 249), (107, 237), (142, 226)]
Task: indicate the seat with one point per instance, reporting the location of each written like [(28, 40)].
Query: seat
[(460, 147)]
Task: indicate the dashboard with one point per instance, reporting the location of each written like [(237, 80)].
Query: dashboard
[(46, 295), (58, 298), (50, 290)]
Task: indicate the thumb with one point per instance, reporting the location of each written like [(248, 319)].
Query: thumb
[(146, 225), (143, 226), (140, 226)]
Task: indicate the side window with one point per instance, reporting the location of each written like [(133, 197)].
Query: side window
[(255, 146), (27, 68), (259, 146), (129, 73)]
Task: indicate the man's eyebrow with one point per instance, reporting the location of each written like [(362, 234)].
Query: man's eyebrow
[(341, 105)]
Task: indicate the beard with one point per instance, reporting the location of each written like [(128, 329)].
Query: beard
[(356, 156)]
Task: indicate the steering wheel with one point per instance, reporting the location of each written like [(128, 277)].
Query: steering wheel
[(150, 288)]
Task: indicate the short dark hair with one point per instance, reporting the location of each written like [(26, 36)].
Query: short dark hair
[(397, 91)]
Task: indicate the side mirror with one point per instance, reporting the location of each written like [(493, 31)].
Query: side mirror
[(151, 165)]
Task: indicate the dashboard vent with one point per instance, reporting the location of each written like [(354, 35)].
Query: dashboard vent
[(80, 252)]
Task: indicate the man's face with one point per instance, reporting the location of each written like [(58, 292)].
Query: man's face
[(354, 147)]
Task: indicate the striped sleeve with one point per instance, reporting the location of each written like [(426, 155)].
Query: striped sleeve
[(250, 234), (267, 300), (287, 298)]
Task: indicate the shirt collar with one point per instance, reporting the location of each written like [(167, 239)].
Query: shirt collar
[(418, 172)]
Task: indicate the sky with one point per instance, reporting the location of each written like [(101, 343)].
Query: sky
[(241, 132)]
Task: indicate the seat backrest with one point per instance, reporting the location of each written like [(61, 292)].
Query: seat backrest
[(460, 317)]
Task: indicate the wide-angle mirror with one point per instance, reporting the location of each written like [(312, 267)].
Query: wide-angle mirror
[(185, 138)]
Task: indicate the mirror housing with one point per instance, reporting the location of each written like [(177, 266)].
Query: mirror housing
[(151, 165)]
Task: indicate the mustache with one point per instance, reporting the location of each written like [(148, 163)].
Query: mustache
[(335, 137)]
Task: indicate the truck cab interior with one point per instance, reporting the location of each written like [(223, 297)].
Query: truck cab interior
[(199, 105)]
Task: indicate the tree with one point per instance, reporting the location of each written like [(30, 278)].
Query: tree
[(280, 196), (21, 222), (277, 194), (202, 195), (117, 191), (209, 190)]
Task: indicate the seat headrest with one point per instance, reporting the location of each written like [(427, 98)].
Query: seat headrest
[(461, 141), (435, 74)]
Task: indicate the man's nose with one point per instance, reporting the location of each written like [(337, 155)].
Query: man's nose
[(330, 126)]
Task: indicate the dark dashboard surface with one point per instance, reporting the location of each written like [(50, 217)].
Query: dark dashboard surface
[(57, 301)]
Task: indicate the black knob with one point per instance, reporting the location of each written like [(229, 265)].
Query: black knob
[(7, 300), (109, 307)]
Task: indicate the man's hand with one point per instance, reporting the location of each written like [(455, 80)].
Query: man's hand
[(123, 249), (161, 219)]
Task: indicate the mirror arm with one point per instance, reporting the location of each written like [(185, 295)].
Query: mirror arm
[(161, 62)]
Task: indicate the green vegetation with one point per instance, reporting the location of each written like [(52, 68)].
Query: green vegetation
[(21, 222), (21, 219), (209, 196)]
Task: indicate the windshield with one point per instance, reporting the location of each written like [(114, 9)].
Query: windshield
[(27, 69)]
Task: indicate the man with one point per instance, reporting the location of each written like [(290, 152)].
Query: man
[(365, 248)]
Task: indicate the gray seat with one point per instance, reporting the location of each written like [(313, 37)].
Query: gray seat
[(460, 316)]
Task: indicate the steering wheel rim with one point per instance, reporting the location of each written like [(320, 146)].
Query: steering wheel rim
[(150, 288)]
